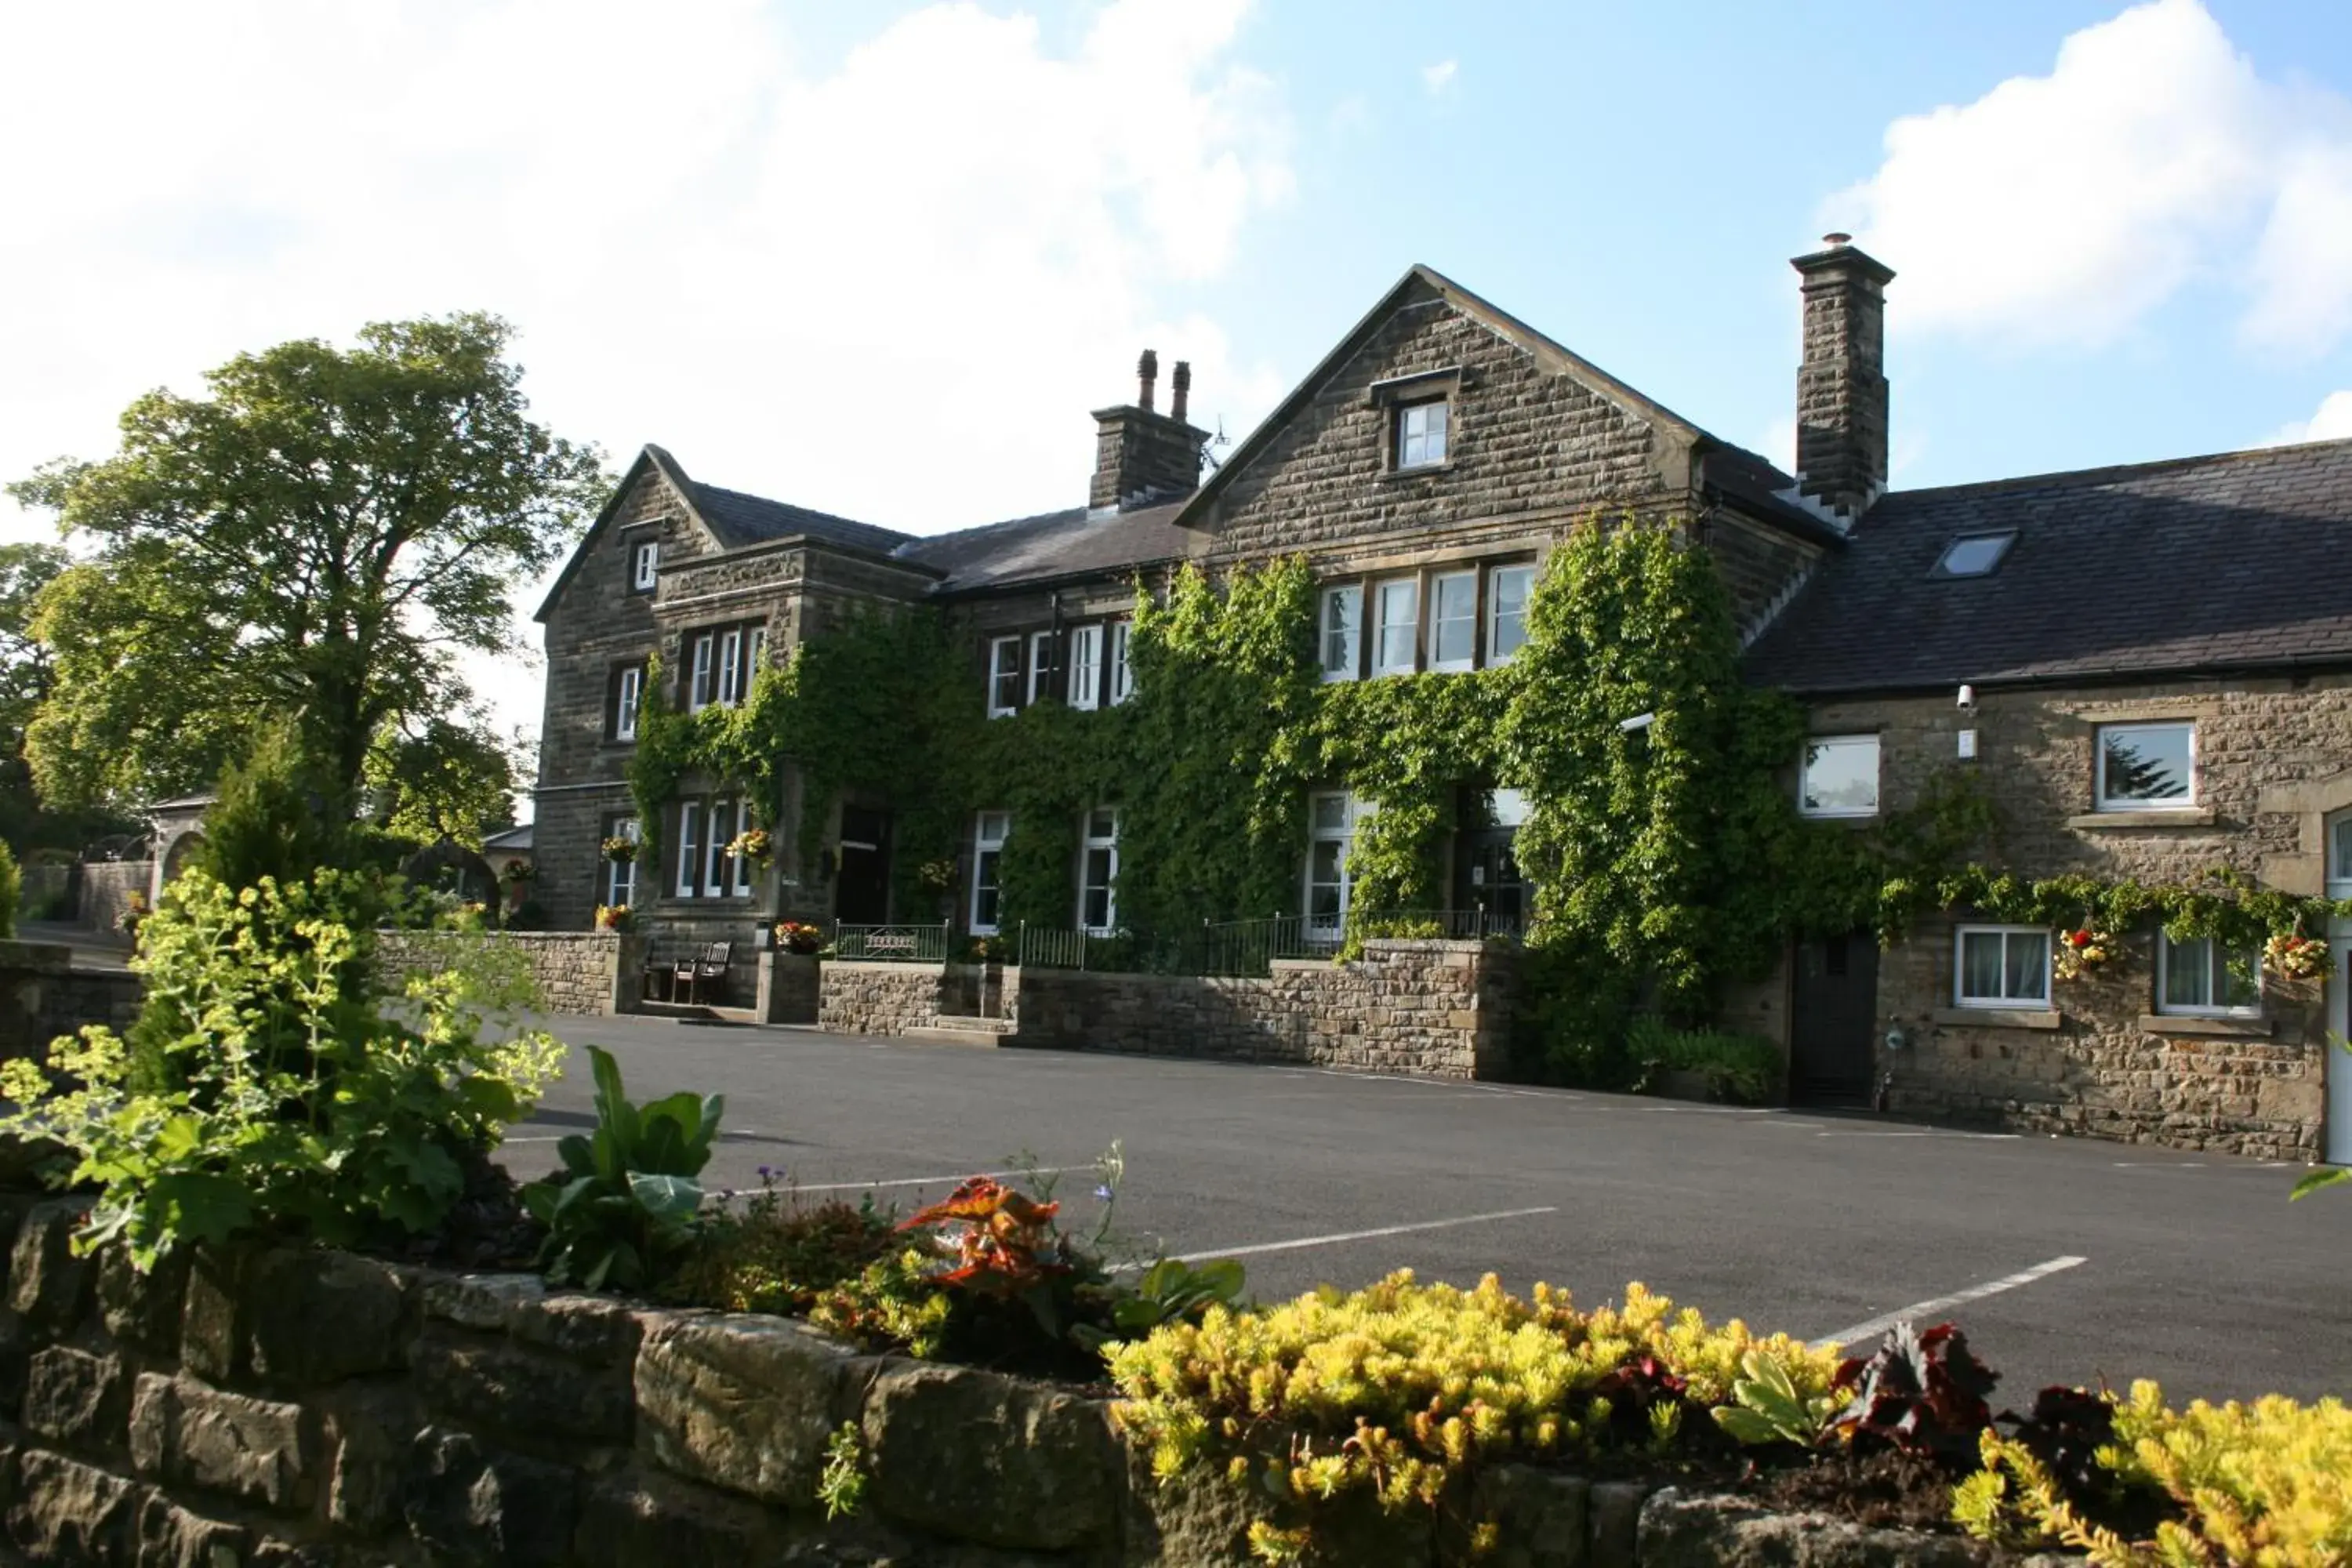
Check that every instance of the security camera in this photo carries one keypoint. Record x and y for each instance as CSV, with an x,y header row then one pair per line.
x,y
1968,698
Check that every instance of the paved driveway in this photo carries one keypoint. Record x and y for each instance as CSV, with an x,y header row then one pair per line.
x,y
2106,1259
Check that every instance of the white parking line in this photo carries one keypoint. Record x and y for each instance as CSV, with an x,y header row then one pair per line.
x,y
1347,1235
1884,1320
930,1181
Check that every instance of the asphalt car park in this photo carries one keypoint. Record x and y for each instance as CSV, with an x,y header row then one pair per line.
x,y
2065,1259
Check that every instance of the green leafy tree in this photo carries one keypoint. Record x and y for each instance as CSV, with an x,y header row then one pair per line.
x,y
26,673
444,779
320,534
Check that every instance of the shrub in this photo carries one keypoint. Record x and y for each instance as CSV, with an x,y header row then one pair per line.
x,y
288,1104
1400,1390
1739,1069
2267,1483
277,816
11,889
622,1209
779,1255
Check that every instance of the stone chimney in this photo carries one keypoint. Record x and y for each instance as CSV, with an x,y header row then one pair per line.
x,y
1143,458
1842,385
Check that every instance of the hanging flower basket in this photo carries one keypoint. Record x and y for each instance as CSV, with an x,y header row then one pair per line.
x,y
517,871
753,845
2083,952
938,876
620,850
2291,955
798,936
615,917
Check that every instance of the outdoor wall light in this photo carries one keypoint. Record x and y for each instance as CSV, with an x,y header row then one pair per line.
x,y
1968,698
1896,1038
1637,722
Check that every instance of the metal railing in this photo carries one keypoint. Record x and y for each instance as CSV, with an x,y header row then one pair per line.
x,y
891,944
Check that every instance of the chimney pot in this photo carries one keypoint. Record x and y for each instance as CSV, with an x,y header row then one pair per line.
x,y
1147,371
1182,383
1834,238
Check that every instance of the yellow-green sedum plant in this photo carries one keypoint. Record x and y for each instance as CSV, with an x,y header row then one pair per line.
x,y
1401,1390
2263,1485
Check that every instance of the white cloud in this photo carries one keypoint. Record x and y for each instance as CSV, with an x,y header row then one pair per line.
x,y
2333,422
891,290
2061,209
1439,78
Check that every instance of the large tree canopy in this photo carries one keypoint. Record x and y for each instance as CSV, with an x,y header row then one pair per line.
x,y
25,672
320,535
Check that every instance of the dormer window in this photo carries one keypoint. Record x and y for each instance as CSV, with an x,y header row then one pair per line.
x,y
645,560
1974,554
1421,430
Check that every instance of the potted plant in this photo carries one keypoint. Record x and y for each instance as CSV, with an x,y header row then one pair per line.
x,y
620,849
517,871
615,917
799,937
2083,952
2291,955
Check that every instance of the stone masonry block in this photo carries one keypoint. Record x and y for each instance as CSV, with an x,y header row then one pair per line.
x,y
75,1397
144,1310
742,1403
989,1459
318,1318
259,1450
499,1384
46,1283
470,1505
1541,1515
64,1512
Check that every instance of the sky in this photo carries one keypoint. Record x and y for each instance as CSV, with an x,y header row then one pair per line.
x,y
882,259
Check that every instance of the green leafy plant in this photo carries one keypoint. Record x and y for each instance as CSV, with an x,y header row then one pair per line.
x,y
1170,1291
776,1254
842,1487
280,1098
11,889
1768,1407
1738,1069
624,1207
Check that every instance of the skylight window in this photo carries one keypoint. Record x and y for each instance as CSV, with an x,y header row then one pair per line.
x,y
1974,554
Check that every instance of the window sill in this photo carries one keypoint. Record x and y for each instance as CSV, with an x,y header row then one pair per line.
x,y
1419,470
2195,1023
1998,1017
2128,821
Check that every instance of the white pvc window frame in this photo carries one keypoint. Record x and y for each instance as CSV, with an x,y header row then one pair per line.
x,y
626,696
1122,668
2210,968
2006,997
1396,626
2184,801
1341,642
989,831
1512,620
1004,677
645,565
1453,621
1424,433
1086,665
1819,748
1041,666
1098,871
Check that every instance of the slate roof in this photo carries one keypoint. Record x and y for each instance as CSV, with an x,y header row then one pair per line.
x,y
2231,562
1051,545
739,520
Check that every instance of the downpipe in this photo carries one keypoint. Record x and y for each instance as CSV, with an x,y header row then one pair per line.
x,y
1885,1084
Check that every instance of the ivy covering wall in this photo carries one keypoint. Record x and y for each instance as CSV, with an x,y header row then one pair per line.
x,y
1667,859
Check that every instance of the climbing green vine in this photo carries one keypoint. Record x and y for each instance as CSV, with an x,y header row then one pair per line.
x,y
1668,857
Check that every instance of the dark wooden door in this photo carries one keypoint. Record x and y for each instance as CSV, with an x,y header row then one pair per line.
x,y
1487,878
1833,1020
862,897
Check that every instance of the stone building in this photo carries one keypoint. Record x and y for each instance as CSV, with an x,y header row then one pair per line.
x,y
2157,678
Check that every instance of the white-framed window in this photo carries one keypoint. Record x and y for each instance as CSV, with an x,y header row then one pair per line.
x,y
988,833
644,562
1453,621
2339,856
1331,817
1420,433
1041,665
1004,677
1098,873
1122,672
1343,631
2147,767
725,822
1086,665
743,867
628,691
731,667
621,876
755,655
698,681
2001,966
1508,588
689,847
1397,627
2202,978
1840,776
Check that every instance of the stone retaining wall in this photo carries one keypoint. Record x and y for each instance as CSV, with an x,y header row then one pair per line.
x,y
584,973
255,1406
1437,1009
106,888
869,998
43,995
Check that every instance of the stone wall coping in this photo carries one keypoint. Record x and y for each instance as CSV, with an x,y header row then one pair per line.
x,y
2000,1017
886,966
2180,1024
2143,821
47,957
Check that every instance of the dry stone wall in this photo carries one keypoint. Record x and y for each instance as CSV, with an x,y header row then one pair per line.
x,y
581,973
43,995
287,1408
877,998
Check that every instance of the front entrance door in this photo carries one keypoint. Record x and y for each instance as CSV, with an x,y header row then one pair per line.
x,y
862,897
1832,1020
1487,879
2337,1070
